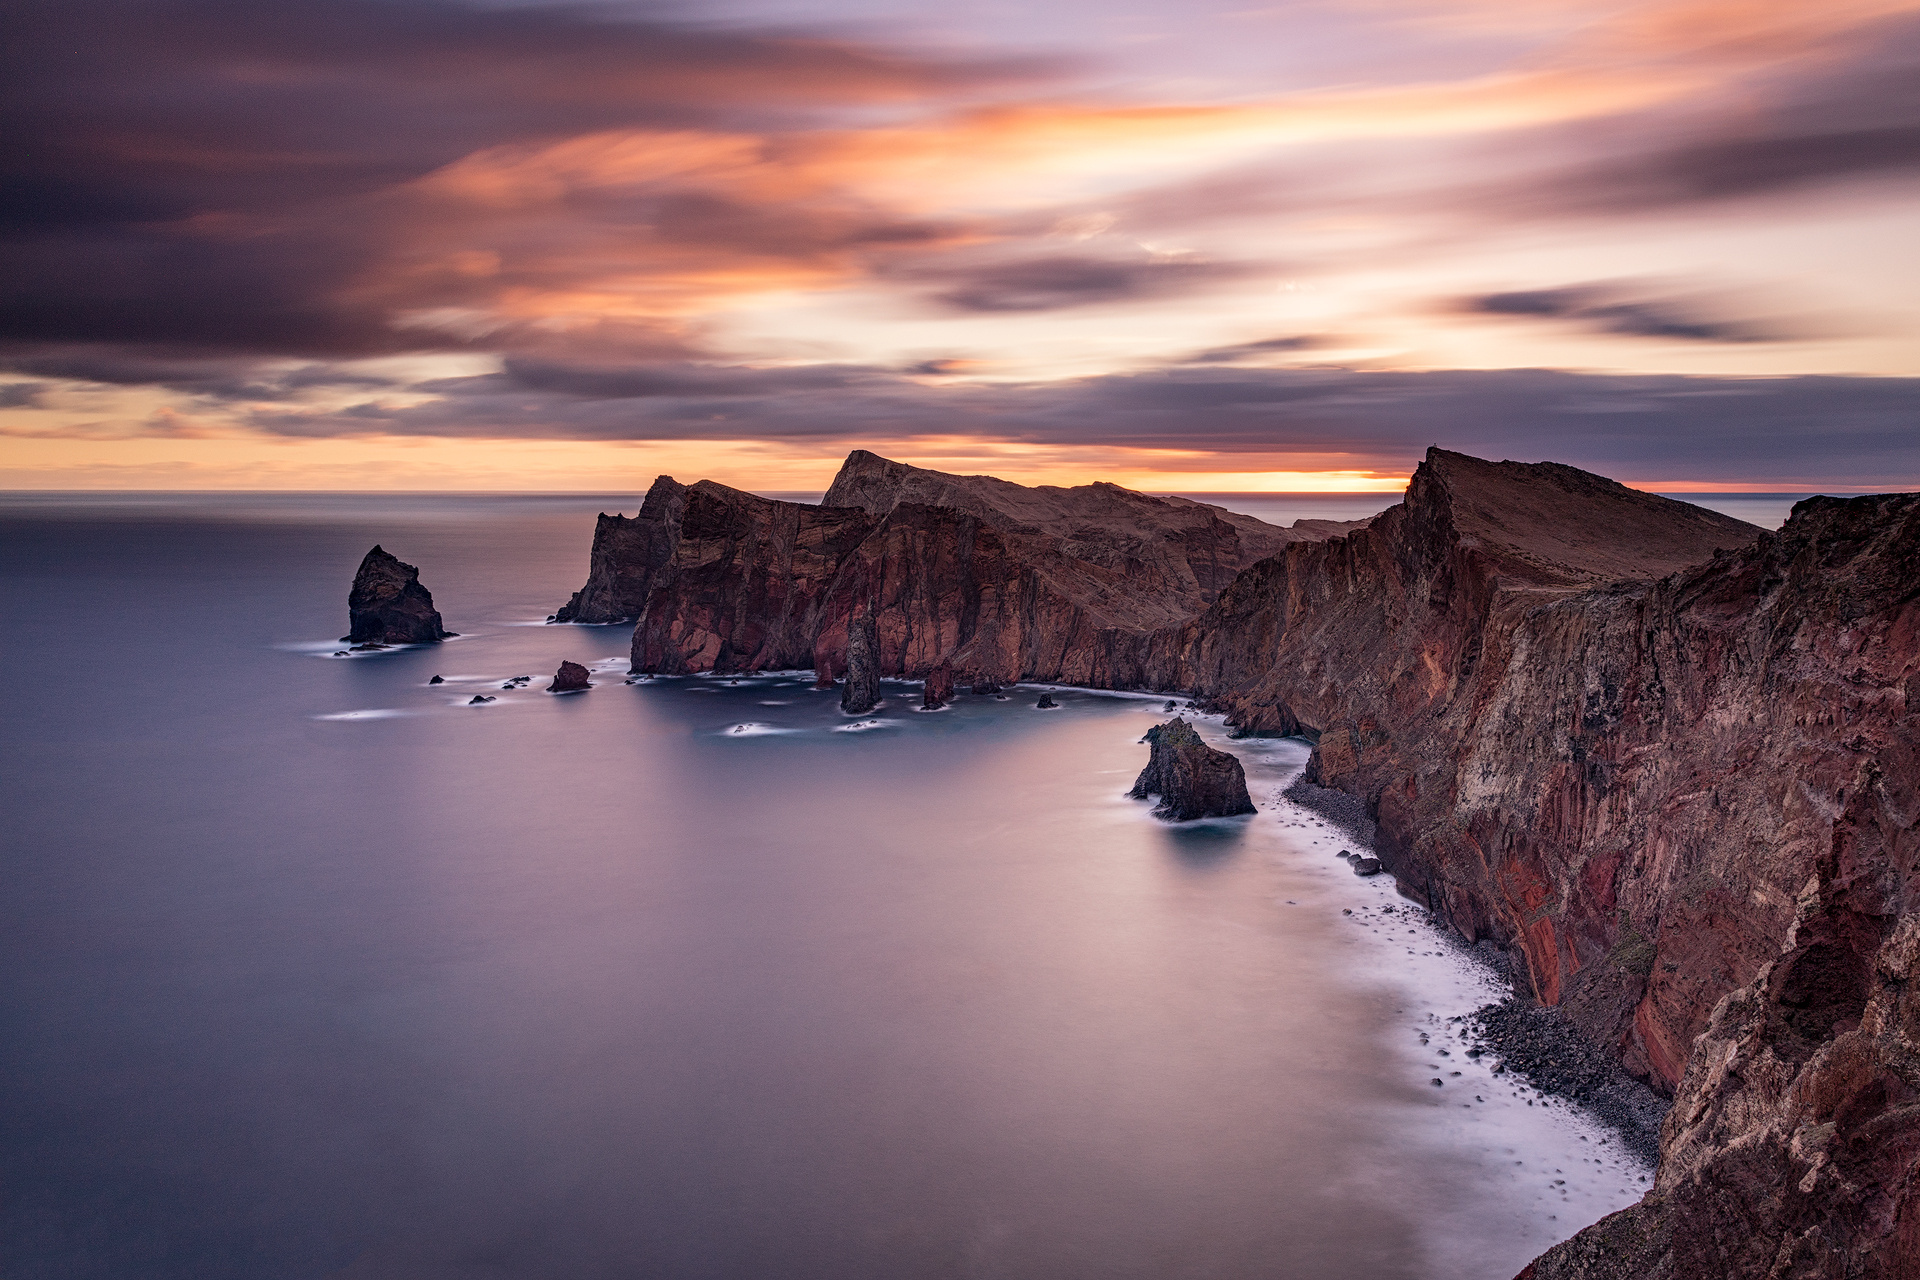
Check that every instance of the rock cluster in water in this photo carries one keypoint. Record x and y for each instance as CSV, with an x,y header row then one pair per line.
x,y
1191,778
570,678
387,604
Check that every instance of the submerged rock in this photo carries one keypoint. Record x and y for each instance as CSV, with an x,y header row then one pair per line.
x,y
861,693
985,688
570,678
1046,703
939,687
479,698
438,680
1190,777
387,604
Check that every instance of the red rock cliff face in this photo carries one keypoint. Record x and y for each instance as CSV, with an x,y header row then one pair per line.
x,y
1758,721
1680,782
1002,581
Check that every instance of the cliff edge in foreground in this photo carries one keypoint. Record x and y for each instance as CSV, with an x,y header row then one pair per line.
x,y
1672,765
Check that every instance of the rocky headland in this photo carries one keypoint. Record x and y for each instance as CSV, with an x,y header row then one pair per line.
x,y
1666,763
1002,581
1191,779
387,604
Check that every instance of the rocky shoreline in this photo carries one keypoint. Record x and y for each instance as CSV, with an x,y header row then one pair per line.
x,y
1533,1041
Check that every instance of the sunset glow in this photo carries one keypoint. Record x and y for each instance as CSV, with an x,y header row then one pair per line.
x,y
1145,250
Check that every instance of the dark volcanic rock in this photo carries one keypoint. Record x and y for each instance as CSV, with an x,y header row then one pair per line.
x,y
1191,778
1541,1046
861,693
1046,703
437,680
626,553
387,604
479,698
570,678
939,687
1366,866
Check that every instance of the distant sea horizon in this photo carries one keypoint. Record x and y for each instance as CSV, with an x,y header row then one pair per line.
x,y
1768,510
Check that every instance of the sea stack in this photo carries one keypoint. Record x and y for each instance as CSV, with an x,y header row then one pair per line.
x,y
570,678
1190,777
861,693
389,606
939,688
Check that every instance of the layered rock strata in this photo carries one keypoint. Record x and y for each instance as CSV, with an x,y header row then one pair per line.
x,y
387,604
1191,779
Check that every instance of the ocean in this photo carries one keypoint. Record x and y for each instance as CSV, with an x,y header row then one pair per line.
x,y
312,969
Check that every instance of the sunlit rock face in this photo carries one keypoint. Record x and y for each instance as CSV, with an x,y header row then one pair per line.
x,y
387,604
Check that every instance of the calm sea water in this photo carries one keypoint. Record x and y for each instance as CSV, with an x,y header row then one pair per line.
x,y
307,969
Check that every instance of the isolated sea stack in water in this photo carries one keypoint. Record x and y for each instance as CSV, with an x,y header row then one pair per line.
x,y
570,678
861,693
939,688
1190,777
389,606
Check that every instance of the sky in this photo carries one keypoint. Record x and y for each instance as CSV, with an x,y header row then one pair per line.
x,y
433,244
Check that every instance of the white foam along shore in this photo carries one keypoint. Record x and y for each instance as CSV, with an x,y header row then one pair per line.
x,y
1533,1169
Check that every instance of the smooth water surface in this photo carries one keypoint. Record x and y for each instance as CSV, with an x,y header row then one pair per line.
x,y
312,970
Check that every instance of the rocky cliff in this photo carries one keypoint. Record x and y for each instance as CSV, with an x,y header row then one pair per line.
x,y
1002,581
1191,779
1671,764
387,604
1668,761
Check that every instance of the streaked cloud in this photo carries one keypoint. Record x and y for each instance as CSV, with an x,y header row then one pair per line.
x,y
404,219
